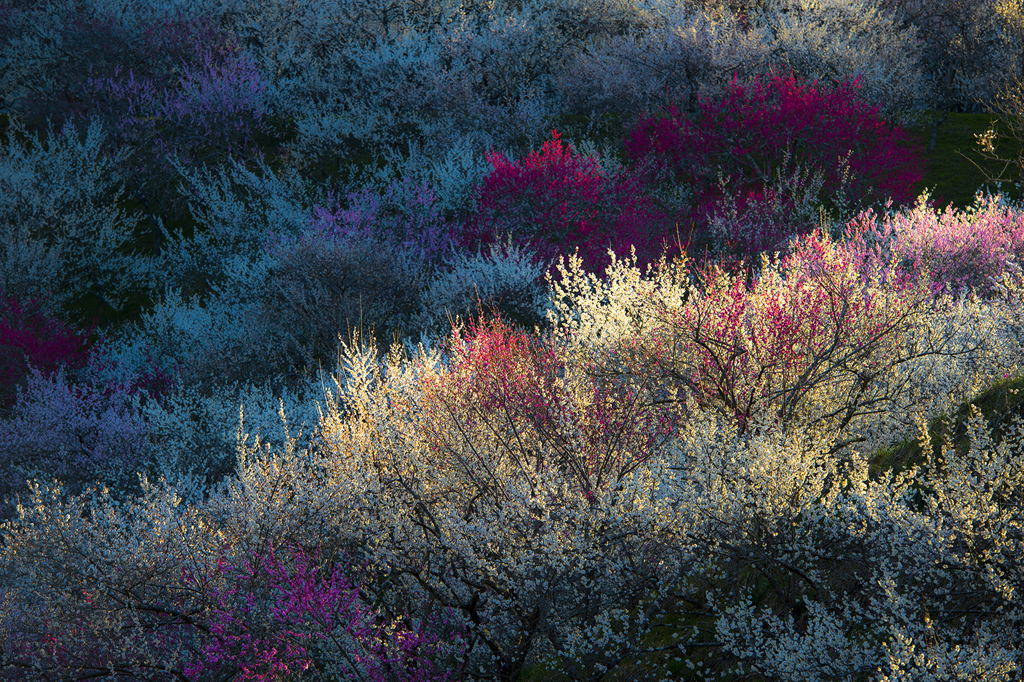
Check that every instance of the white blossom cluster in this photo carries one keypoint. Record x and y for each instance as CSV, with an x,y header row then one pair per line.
x,y
62,233
578,514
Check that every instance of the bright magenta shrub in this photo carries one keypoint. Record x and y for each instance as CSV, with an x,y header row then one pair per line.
x,y
739,147
556,200
279,616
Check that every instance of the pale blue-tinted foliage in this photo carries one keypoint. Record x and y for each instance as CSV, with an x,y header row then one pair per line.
x,y
197,435
61,230
238,210
31,46
834,41
451,174
504,280
683,54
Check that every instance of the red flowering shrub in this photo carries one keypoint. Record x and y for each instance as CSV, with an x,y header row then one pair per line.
x,y
556,201
746,147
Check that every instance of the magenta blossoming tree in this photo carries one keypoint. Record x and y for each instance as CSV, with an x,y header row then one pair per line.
x,y
778,348
820,341
556,200
199,609
753,135
298,614
510,383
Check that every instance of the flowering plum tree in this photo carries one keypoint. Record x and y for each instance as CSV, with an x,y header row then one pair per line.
x,y
961,43
210,108
513,489
836,41
55,46
216,103
680,54
831,339
161,589
755,135
79,434
505,280
403,214
556,200
969,250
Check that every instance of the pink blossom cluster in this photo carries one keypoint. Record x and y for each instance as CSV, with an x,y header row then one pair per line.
x,y
279,616
751,349
958,249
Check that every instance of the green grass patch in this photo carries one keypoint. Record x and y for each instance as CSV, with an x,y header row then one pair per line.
x,y
999,404
956,169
